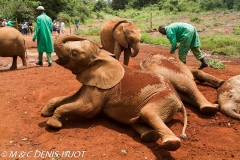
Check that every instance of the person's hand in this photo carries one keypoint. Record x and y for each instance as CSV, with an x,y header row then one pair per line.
x,y
33,40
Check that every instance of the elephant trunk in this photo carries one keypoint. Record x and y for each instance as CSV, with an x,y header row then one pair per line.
x,y
135,51
59,43
230,109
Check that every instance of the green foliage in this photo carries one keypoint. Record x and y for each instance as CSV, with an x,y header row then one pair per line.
x,y
215,63
195,19
237,31
221,44
101,5
64,17
159,40
116,4
231,51
92,31
96,40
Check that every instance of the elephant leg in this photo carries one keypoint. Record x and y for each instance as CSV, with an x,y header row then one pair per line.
x,y
79,107
127,53
147,133
197,99
202,77
150,114
117,51
14,63
24,61
52,104
56,120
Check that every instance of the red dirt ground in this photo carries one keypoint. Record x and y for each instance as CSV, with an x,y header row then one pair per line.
x,y
25,135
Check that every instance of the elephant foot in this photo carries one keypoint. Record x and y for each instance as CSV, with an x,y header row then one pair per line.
x,y
171,143
210,109
46,113
150,136
24,67
53,122
13,67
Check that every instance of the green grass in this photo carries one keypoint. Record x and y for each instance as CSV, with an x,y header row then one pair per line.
x,y
159,40
92,31
237,31
221,44
214,63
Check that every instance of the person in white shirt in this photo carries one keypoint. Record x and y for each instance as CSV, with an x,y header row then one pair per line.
x,y
62,27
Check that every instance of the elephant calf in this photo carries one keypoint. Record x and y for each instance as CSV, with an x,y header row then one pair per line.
x,y
12,44
108,86
229,97
181,77
117,36
228,93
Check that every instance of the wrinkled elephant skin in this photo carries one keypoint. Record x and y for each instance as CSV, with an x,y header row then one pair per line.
x,y
181,77
117,36
12,44
229,97
107,85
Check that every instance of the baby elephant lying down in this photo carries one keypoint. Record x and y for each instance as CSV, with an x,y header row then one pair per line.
x,y
145,105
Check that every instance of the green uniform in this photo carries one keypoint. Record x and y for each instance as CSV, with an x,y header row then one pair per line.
x,y
188,38
43,34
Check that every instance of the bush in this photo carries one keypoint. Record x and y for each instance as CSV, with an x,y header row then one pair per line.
x,y
195,19
92,31
214,63
146,38
237,31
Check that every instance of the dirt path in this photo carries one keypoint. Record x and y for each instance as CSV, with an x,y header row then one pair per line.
x,y
24,134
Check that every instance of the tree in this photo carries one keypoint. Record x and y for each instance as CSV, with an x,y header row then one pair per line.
x,y
117,4
101,5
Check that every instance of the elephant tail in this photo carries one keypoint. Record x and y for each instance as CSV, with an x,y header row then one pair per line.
x,y
183,110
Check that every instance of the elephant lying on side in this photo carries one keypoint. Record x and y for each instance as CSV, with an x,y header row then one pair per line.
x,y
117,36
228,93
108,86
181,77
12,44
229,97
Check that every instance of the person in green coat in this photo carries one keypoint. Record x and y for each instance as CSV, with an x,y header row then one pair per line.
x,y
187,36
43,34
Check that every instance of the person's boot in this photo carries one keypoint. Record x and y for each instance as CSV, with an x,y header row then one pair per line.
x,y
49,64
204,64
39,63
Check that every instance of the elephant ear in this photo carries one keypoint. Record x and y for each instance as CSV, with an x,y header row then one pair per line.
x,y
104,72
119,33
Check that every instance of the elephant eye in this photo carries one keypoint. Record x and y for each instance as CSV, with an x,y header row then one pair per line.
x,y
74,53
230,95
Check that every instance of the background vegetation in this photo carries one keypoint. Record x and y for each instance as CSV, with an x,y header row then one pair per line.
x,y
147,15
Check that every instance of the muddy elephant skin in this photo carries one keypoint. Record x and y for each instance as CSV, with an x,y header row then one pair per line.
x,y
120,35
12,44
107,85
181,77
229,97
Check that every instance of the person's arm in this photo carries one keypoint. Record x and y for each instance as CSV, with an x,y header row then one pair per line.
x,y
173,41
37,28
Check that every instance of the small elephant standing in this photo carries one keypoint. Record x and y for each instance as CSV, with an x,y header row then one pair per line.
x,y
107,85
117,36
12,44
